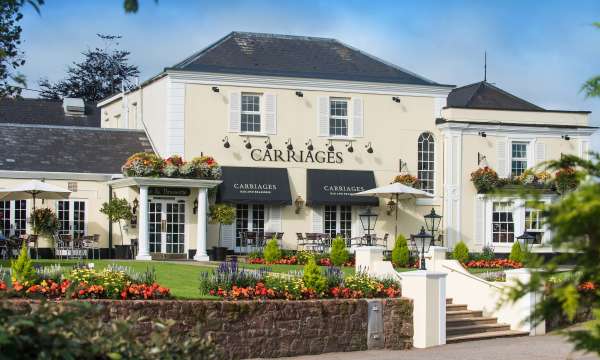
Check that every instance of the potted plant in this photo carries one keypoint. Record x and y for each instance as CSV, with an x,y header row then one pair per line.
x,y
117,210
406,179
485,179
221,214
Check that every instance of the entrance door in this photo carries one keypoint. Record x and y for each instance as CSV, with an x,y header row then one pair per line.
x,y
166,226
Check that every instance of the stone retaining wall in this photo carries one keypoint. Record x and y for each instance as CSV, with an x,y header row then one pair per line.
x,y
249,329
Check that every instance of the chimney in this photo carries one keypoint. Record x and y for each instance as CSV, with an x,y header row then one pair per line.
x,y
74,106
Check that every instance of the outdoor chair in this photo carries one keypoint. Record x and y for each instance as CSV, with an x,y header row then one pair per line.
x,y
32,241
4,248
89,243
267,236
134,248
249,239
279,238
300,241
14,246
384,240
314,242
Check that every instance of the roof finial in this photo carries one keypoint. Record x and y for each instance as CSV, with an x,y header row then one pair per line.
x,y
485,66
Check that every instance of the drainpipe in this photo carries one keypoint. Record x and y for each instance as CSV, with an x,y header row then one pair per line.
x,y
110,226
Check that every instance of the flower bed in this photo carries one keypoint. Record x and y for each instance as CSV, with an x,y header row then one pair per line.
x,y
297,258
230,282
115,282
494,263
151,165
565,179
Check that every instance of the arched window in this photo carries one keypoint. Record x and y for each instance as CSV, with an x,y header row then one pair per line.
x,y
426,162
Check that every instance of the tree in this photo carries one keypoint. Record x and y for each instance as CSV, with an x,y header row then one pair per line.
x,y
222,214
573,220
339,254
103,72
116,210
400,252
11,57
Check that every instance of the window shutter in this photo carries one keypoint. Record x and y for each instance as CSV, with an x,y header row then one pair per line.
x,y
317,219
540,153
357,118
501,158
228,236
235,111
479,221
323,115
270,114
584,148
275,218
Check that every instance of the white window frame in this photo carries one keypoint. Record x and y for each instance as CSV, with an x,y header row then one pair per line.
x,y
431,161
511,204
250,219
338,218
519,207
528,154
260,114
339,117
12,218
72,215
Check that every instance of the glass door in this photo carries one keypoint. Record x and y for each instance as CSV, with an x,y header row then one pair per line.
x,y
166,226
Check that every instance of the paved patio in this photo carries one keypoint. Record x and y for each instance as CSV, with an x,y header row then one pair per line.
x,y
524,348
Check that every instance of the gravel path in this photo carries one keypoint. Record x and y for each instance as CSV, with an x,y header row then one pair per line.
x,y
547,347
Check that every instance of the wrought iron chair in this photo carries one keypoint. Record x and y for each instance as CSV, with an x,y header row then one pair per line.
x,y
300,241
250,239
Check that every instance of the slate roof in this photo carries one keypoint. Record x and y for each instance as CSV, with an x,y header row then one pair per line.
x,y
45,112
68,149
483,95
295,56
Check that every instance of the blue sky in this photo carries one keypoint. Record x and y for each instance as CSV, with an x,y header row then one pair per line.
x,y
540,50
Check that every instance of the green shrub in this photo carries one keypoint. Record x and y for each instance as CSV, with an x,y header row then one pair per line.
x,y
487,253
516,253
304,256
22,268
339,254
44,222
76,331
400,253
272,251
461,252
313,277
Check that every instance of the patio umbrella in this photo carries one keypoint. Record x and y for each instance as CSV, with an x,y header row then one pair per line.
x,y
34,189
396,191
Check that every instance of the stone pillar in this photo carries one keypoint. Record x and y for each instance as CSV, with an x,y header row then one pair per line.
x,y
143,244
427,289
201,254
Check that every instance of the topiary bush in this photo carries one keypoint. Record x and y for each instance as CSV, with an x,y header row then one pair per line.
x,y
339,254
461,252
22,268
272,252
313,277
516,253
400,252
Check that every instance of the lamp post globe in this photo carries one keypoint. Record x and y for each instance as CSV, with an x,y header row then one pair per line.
x,y
432,222
528,240
422,242
368,220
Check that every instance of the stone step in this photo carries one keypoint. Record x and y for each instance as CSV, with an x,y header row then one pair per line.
x,y
466,321
484,336
476,329
449,301
455,307
460,314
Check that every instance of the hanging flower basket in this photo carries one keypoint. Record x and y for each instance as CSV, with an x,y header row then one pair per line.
x,y
151,165
406,179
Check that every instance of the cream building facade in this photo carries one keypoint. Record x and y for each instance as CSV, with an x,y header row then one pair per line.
x,y
299,124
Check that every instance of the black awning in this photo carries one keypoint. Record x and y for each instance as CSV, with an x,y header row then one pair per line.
x,y
335,187
253,185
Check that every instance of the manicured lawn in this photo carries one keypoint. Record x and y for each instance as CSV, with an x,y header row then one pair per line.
x,y
182,279
483,270
348,270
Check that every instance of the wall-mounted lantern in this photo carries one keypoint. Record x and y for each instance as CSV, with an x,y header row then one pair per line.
x,y
226,144
369,148
309,145
349,147
299,204
248,144
195,209
268,142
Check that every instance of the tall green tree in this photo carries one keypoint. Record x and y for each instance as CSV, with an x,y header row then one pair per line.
x,y
11,56
103,72
573,221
